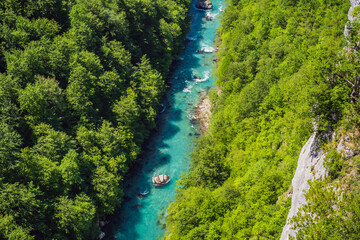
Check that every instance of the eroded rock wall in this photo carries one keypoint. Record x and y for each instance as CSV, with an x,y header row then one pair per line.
x,y
310,166
354,4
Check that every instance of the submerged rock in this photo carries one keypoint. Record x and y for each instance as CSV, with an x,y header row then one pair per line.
x,y
203,4
209,18
136,206
101,235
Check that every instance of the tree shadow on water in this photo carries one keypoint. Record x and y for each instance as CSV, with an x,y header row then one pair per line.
x,y
138,179
155,152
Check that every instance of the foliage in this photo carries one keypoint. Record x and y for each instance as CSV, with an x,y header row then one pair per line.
x,y
80,84
332,208
74,217
330,213
276,60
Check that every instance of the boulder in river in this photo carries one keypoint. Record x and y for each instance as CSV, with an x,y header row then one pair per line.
x,y
101,235
203,4
209,18
161,180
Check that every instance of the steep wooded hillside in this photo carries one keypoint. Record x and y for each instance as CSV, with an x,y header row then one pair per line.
x,y
276,74
332,209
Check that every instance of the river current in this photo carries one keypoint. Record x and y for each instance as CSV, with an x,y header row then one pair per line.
x,y
168,150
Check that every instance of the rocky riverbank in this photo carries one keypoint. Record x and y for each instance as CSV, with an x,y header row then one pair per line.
x,y
203,112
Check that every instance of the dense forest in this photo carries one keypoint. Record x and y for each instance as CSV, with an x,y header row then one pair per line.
x,y
81,82
80,85
282,66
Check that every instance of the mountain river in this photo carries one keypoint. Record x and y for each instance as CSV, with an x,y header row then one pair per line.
x,y
168,150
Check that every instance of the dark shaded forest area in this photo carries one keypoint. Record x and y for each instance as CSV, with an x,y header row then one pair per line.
x,y
80,85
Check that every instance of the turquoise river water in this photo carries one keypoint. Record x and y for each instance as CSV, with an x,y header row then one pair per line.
x,y
168,150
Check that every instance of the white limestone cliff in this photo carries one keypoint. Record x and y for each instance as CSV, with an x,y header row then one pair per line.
x,y
310,166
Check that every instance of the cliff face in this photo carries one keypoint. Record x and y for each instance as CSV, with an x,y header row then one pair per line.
x,y
354,4
310,166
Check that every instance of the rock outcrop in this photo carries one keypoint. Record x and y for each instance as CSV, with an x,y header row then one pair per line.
x,y
344,150
203,4
354,4
310,166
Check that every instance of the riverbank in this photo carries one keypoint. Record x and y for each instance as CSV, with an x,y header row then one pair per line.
x,y
203,112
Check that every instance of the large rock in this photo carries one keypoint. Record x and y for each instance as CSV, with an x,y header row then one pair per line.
x,y
354,4
310,166
203,4
161,179
348,25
